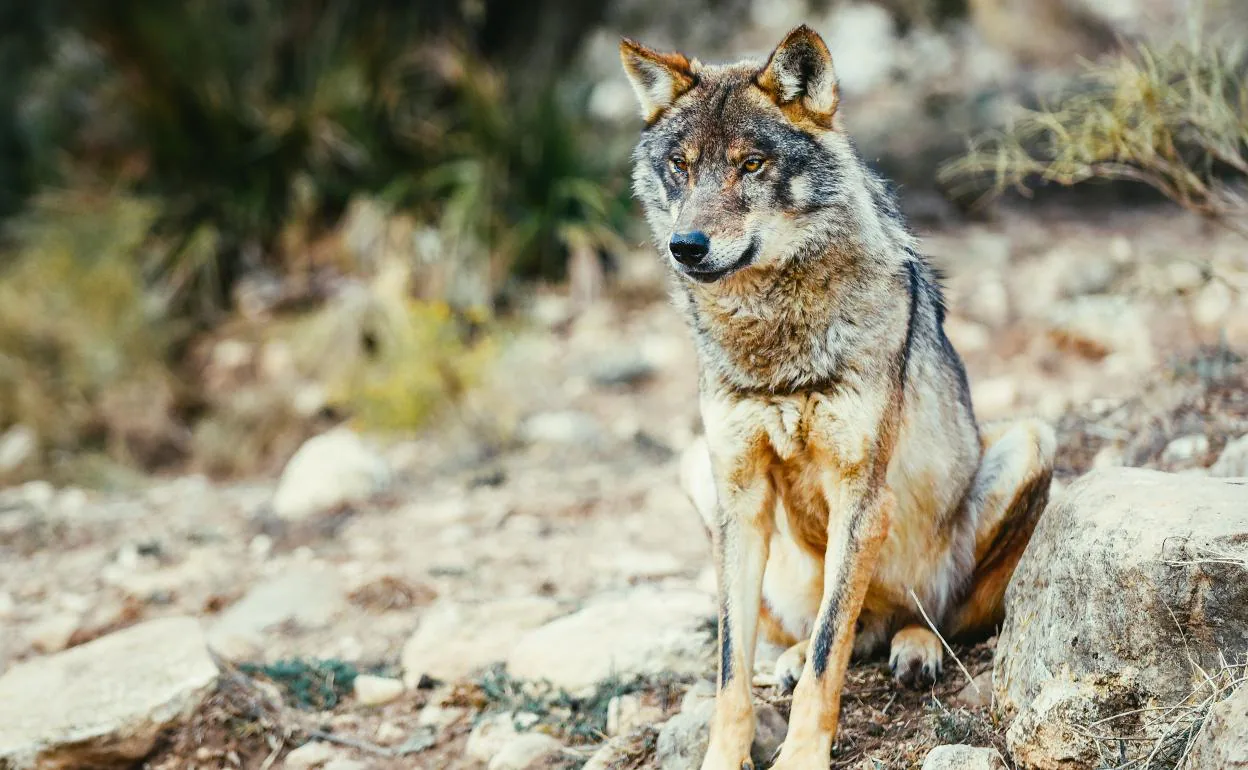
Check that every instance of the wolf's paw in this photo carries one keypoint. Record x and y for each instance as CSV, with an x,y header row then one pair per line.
x,y
789,667
916,657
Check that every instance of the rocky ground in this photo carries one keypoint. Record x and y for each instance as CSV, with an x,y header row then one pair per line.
x,y
527,581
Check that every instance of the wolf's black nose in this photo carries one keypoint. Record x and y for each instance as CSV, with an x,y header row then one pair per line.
x,y
690,248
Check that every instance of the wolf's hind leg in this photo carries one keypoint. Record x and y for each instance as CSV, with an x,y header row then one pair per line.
x,y
1008,495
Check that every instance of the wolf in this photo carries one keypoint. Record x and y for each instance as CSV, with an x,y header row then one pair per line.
x,y
850,494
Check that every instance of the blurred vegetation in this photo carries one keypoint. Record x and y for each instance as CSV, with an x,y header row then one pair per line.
x,y
215,149
1174,119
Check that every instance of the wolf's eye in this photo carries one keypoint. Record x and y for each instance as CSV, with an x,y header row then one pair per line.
x,y
678,164
752,164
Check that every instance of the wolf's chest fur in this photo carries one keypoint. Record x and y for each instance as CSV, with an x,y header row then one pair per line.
x,y
778,331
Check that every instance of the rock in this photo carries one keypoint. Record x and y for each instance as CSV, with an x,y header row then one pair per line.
x,y
307,596
453,639
623,750
1096,326
527,751
310,755
1212,304
105,702
17,445
329,470
977,693
627,712
52,633
376,690
683,739
345,763
440,717
489,736
566,427
1156,553
1185,448
768,734
1184,276
646,631
962,757
1222,743
1233,462
621,371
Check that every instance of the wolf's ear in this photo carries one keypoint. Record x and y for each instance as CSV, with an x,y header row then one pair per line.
x,y
800,73
657,78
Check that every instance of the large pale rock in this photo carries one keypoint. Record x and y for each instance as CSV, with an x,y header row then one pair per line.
x,y
1222,743
454,639
105,702
963,757
329,470
308,596
646,631
1133,579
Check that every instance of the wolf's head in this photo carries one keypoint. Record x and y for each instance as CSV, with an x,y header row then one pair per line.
x,y
739,165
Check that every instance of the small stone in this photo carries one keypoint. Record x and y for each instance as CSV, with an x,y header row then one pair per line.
x,y
977,693
566,427
440,717
683,739
1233,462
1185,449
376,690
1212,304
345,763
52,634
330,470
389,734
526,751
489,737
621,371
1184,276
310,755
963,757
17,446
628,712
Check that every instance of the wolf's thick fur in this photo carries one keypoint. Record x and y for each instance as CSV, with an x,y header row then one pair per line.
x,y
843,473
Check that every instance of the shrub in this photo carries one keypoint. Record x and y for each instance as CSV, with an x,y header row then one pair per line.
x,y
1174,119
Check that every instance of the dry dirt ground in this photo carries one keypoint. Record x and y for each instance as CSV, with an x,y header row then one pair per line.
x,y
1110,328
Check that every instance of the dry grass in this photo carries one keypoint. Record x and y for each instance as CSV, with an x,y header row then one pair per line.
x,y
1173,119
1160,738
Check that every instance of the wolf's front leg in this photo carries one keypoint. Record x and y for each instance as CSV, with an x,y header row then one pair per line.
x,y
857,526
741,539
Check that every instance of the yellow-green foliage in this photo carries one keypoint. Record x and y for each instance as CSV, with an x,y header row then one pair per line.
x,y
1175,119
80,340
387,360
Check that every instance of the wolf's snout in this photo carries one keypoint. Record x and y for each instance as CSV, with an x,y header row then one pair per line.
x,y
690,248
